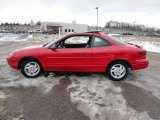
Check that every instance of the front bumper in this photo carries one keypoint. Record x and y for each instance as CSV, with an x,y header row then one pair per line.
x,y
13,63
139,64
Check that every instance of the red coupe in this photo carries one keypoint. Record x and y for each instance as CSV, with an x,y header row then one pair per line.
x,y
80,52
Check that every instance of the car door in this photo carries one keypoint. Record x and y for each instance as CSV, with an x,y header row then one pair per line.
x,y
69,59
102,53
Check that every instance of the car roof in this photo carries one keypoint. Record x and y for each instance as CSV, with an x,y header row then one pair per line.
x,y
86,33
93,33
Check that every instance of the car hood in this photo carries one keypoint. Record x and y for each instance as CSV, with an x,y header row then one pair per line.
x,y
31,50
31,47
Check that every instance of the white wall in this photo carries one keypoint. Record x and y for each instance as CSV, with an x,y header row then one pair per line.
x,y
75,27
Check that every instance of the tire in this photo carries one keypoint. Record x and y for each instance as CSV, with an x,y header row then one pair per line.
x,y
31,68
117,71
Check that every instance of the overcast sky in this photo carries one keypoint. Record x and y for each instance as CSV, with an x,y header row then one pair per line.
x,y
145,12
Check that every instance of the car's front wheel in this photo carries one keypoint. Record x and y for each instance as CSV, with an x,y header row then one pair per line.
x,y
117,71
31,68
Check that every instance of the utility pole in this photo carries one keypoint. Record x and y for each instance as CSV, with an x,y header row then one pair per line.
x,y
97,17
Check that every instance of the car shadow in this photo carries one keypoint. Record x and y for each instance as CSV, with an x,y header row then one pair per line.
x,y
67,74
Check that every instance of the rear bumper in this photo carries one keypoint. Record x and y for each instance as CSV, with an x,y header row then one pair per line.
x,y
12,62
139,64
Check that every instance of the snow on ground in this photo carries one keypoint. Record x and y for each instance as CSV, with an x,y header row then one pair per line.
x,y
95,95
2,95
2,100
151,44
100,99
14,37
8,37
148,43
13,78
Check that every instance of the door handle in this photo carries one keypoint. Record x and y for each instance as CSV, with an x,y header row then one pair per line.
x,y
84,54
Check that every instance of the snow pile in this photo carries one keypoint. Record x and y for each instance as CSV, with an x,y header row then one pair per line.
x,y
7,37
149,46
29,36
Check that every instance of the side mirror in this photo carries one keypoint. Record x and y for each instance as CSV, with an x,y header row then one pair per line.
x,y
45,44
53,47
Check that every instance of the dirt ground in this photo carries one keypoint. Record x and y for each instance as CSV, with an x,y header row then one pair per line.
x,y
78,96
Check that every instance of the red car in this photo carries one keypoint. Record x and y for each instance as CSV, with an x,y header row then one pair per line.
x,y
80,52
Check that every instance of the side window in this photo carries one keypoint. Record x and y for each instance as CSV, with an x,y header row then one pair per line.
x,y
99,42
81,41
77,40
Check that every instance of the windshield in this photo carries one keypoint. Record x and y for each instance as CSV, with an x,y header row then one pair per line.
x,y
49,44
53,42
116,39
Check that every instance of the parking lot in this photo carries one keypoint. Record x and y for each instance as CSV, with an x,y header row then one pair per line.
x,y
78,96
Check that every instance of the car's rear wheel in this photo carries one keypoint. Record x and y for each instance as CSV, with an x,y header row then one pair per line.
x,y
31,68
117,71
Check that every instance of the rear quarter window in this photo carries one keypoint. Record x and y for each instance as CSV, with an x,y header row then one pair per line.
x,y
99,42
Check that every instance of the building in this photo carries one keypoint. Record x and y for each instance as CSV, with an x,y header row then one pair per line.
x,y
63,28
19,28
